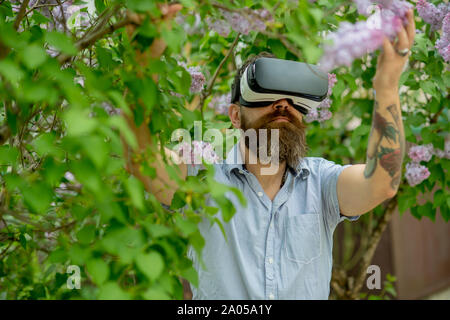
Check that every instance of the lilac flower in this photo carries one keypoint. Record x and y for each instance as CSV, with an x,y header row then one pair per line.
x,y
421,153
195,152
443,44
416,173
325,104
331,82
324,115
312,115
364,6
197,78
444,8
352,41
220,103
237,21
431,14
220,26
255,20
196,28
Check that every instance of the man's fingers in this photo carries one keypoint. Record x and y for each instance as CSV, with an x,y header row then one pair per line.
x,y
388,49
411,27
403,42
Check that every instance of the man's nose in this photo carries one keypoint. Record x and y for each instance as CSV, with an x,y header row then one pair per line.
x,y
282,104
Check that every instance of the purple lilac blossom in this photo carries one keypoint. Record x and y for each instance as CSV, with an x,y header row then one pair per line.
x,y
416,173
431,14
195,152
220,26
197,78
352,41
421,153
443,43
242,23
221,103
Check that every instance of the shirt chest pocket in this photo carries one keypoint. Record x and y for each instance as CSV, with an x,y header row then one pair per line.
x,y
302,242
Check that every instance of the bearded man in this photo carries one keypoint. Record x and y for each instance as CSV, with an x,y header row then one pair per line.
x,y
280,245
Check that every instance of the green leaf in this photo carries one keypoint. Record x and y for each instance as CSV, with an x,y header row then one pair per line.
x,y
156,294
37,197
79,122
157,230
428,87
405,202
34,56
58,256
61,42
391,278
8,155
135,190
23,241
86,235
427,135
186,226
151,264
143,6
98,269
191,276
97,150
439,198
121,124
111,291
11,71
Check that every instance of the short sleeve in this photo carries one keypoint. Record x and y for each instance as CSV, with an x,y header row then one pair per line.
x,y
329,174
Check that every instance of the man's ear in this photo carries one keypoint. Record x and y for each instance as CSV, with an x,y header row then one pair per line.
x,y
234,112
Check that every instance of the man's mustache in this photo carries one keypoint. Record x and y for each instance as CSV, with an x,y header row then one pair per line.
x,y
278,113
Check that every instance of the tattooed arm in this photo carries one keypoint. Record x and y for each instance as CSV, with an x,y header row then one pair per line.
x,y
386,148
362,187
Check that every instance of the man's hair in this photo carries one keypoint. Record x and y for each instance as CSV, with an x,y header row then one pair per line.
x,y
250,60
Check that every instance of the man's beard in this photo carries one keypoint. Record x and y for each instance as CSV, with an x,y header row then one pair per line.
x,y
292,146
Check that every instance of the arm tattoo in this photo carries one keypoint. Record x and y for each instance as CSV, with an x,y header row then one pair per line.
x,y
389,159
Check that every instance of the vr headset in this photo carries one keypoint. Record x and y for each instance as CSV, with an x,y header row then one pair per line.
x,y
267,80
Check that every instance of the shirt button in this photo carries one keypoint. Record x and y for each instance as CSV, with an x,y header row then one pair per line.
x,y
260,194
271,296
270,260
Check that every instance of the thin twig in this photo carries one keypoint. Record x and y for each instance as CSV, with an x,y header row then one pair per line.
x,y
40,6
91,39
63,15
211,82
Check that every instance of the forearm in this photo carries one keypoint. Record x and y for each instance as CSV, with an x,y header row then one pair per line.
x,y
386,147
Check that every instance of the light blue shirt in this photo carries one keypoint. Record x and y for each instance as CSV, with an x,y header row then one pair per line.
x,y
280,249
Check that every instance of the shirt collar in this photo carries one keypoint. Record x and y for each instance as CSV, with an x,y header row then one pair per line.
x,y
234,160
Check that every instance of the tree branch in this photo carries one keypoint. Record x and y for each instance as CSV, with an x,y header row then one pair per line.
x,y
21,14
207,91
92,38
